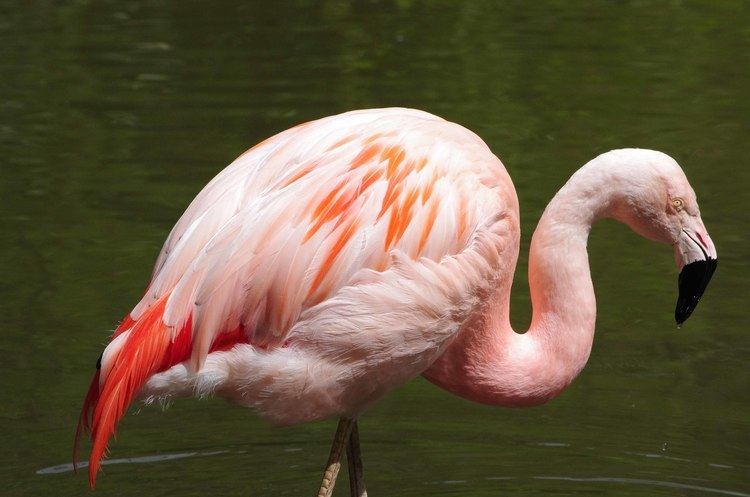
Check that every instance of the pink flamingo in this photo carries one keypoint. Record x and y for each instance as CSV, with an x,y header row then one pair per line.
x,y
345,256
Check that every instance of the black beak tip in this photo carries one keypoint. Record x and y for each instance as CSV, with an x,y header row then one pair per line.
x,y
681,315
692,282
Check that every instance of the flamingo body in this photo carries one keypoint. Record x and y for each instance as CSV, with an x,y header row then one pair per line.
x,y
322,268
343,257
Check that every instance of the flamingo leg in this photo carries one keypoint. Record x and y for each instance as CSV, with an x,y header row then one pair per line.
x,y
334,459
354,459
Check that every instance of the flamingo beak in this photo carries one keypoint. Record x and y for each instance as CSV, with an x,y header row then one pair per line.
x,y
692,282
696,255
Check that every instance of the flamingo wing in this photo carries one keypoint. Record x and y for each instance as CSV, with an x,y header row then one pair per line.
x,y
283,228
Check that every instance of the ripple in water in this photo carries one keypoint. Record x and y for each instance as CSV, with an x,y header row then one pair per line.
x,y
640,481
65,468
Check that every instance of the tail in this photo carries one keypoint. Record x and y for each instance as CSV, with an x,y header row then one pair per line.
x,y
148,348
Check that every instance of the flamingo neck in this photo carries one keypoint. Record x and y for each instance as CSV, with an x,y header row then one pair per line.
x,y
490,363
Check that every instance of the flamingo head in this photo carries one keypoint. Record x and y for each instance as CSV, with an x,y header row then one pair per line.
x,y
658,203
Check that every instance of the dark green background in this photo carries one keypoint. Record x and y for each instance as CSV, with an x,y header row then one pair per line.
x,y
113,115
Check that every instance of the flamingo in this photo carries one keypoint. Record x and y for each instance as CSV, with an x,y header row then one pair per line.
x,y
343,257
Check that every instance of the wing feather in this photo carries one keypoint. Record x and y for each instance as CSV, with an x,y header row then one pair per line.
x,y
311,210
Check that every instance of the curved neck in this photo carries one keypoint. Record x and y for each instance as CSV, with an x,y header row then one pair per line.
x,y
488,362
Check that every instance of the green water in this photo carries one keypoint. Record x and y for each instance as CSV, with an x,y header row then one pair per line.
x,y
113,115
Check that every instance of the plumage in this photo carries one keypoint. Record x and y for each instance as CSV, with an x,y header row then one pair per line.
x,y
343,257
310,234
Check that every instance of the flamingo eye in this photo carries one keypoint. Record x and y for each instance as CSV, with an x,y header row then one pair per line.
x,y
678,204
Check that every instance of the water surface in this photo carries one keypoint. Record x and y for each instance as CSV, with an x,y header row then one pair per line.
x,y
113,115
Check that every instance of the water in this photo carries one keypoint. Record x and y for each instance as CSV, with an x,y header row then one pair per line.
x,y
113,115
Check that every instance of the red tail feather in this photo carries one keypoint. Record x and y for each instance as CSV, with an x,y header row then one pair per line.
x,y
92,397
148,349
84,420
